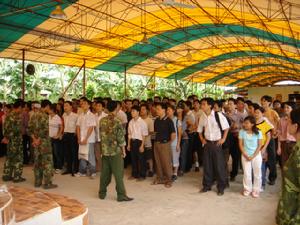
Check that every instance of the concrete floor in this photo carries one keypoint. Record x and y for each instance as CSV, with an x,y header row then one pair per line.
x,y
182,204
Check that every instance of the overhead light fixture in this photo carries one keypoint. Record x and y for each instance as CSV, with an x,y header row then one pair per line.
x,y
144,39
58,13
189,55
76,48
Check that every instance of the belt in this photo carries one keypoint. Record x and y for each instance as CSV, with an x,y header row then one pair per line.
x,y
290,142
162,142
213,142
68,133
136,140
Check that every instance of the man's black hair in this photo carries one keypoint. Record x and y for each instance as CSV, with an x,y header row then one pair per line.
x,y
258,107
209,101
45,103
18,103
267,98
188,104
240,99
162,105
232,100
111,106
136,108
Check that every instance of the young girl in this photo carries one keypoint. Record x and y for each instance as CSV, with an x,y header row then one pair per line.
x,y
250,141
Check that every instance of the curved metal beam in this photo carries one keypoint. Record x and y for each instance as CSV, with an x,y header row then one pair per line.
x,y
247,67
256,75
272,80
160,42
214,60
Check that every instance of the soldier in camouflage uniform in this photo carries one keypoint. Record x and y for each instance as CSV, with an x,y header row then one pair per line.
x,y
112,135
43,162
288,212
13,166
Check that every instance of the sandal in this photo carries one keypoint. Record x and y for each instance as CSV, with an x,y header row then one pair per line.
x,y
168,185
156,182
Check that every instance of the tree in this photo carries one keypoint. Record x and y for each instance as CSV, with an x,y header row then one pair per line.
x,y
52,80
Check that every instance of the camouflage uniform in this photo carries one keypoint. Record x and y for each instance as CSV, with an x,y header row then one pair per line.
x,y
13,166
288,212
112,136
43,162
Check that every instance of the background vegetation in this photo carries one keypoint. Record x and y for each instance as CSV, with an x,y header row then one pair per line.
x,y
51,81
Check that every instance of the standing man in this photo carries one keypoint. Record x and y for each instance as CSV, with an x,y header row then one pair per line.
x,y
113,143
85,129
274,119
236,113
70,144
165,134
213,128
13,166
43,161
148,143
99,114
197,146
137,131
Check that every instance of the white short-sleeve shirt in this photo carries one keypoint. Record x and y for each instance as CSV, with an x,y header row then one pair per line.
x,y
211,128
85,121
98,117
150,125
54,124
70,121
137,129
122,116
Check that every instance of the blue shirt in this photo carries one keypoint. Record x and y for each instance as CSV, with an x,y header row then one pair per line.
x,y
250,141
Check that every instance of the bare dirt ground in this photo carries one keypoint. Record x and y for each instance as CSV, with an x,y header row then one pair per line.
x,y
182,204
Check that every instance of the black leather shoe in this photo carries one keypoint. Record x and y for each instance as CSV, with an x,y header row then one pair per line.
x,y
125,199
7,178
65,173
205,189
220,193
19,180
271,182
37,185
102,196
50,186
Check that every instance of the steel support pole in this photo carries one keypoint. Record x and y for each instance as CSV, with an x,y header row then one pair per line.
x,y
23,74
84,80
125,82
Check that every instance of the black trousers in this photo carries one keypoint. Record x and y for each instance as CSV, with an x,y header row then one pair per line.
x,y
197,146
214,166
235,153
271,163
26,149
70,147
138,160
189,162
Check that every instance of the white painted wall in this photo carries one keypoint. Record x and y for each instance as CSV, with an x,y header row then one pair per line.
x,y
255,93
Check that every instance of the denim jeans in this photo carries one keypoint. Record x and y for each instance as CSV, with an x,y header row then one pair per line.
x,y
184,154
90,164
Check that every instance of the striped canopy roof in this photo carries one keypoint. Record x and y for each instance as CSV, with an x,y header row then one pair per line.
x,y
228,42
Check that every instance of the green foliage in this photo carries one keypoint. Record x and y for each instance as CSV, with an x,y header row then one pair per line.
x,y
52,80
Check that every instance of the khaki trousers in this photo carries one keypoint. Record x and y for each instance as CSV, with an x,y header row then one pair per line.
x,y
163,160
98,156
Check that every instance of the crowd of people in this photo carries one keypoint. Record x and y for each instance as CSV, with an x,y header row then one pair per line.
x,y
160,137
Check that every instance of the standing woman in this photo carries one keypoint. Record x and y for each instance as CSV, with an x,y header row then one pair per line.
x,y
288,212
55,133
175,145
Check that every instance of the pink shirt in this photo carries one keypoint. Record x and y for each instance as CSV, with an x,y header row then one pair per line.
x,y
283,133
